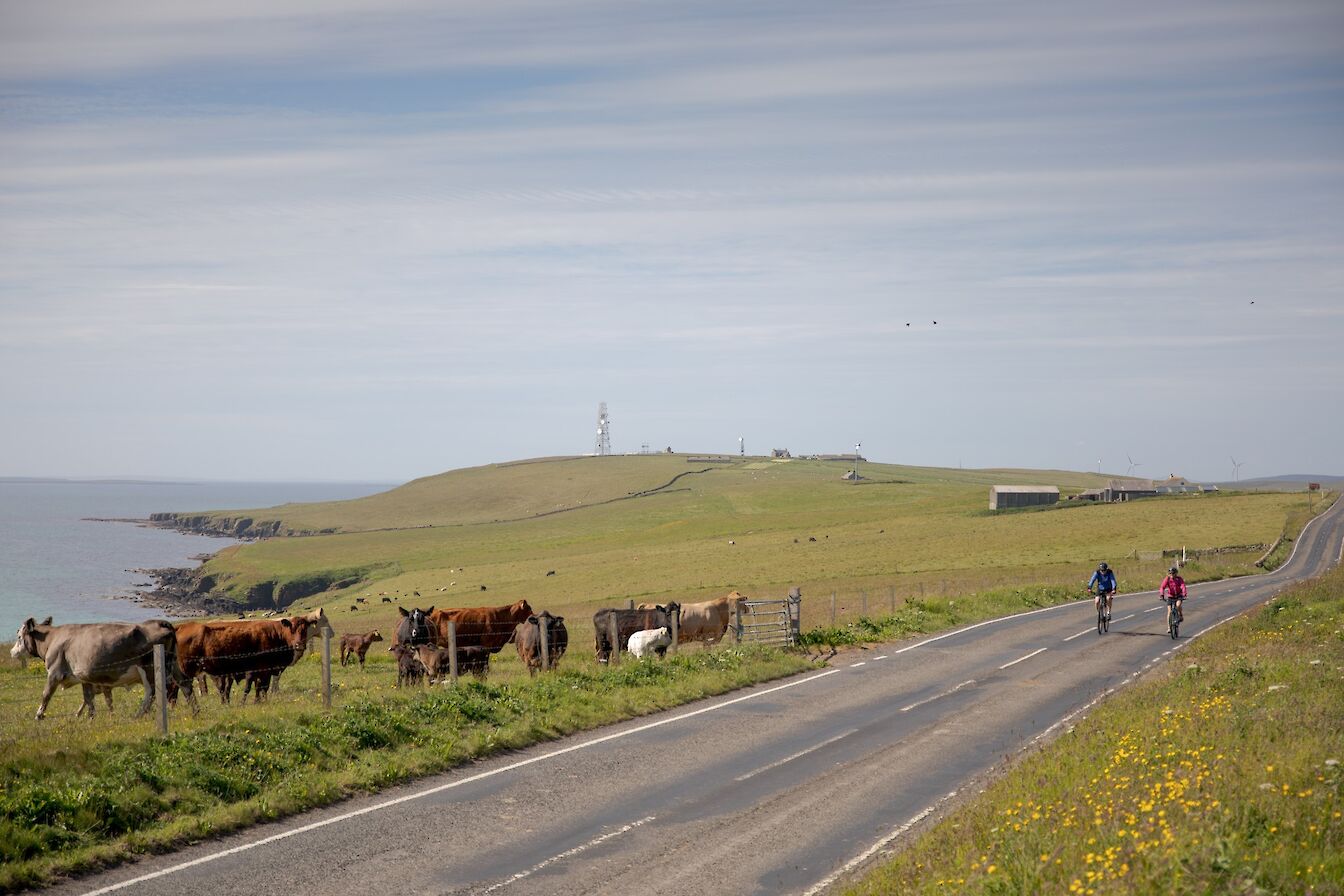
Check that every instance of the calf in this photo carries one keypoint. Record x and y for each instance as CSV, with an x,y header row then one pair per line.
x,y
353,646
527,638
655,640
627,623
438,661
409,668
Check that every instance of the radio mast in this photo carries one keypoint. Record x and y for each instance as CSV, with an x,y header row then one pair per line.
x,y
602,446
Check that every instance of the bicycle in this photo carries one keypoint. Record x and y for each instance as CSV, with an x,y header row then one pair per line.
x,y
1173,617
1103,617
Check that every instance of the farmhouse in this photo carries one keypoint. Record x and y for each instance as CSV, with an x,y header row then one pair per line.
x,y
1003,497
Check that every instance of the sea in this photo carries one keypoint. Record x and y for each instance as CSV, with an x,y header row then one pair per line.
x,y
58,559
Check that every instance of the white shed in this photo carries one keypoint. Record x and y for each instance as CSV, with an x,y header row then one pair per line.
x,y
1003,497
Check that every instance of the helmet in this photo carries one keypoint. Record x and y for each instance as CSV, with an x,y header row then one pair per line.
x,y
1102,567
1174,570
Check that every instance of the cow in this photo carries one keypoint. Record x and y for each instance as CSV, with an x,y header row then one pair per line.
x,y
438,661
99,656
488,627
409,668
228,650
415,627
527,638
708,620
357,646
627,623
654,640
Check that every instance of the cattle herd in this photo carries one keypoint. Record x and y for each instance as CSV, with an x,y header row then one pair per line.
x,y
429,644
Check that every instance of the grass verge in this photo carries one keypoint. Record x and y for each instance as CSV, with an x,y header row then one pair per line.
x,y
96,802
1220,773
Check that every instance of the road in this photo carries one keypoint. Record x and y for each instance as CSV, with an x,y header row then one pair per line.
x,y
779,788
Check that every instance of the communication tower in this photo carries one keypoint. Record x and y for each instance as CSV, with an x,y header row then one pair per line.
x,y
602,446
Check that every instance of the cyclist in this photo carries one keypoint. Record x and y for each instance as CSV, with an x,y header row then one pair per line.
x,y
1173,586
1103,584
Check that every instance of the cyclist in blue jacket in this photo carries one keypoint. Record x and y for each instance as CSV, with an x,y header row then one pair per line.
x,y
1103,584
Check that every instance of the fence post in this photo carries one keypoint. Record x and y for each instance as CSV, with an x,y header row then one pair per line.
x,y
737,623
832,609
452,651
630,604
160,687
543,624
326,667
615,657
796,619
676,625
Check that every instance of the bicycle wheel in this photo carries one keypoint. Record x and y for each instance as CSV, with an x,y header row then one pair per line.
x,y
1173,626
1101,616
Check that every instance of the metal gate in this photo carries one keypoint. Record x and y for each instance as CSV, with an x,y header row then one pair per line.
x,y
770,621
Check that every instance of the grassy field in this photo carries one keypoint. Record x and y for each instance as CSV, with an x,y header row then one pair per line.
x,y
75,794
902,532
1217,773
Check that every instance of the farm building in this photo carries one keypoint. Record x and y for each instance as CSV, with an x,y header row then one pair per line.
x,y
1003,497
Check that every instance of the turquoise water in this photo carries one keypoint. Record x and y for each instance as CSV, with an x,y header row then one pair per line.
x,y
55,562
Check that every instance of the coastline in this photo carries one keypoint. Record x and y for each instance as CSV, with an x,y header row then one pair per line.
x,y
174,587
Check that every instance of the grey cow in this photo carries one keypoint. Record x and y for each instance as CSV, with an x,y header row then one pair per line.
x,y
99,656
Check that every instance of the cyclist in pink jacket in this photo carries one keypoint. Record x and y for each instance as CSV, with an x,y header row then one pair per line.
x,y
1174,586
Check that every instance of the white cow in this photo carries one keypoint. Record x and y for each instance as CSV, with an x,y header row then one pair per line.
x,y
651,640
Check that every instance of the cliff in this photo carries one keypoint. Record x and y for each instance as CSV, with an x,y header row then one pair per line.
x,y
229,526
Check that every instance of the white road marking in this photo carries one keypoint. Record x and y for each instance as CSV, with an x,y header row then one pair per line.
x,y
882,657
1086,631
568,853
1154,609
430,791
1130,616
1021,658
778,763
853,665
868,853
938,696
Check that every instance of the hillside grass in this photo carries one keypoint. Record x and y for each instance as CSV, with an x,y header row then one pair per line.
x,y
77,795
902,532
1218,773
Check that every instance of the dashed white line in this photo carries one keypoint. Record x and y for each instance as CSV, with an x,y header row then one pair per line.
x,y
1021,658
1154,609
778,763
946,693
882,657
854,665
1086,631
1130,616
568,853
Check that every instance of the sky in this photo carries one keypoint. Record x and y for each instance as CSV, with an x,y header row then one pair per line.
x,y
380,239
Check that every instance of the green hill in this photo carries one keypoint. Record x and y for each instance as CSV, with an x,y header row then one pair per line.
x,y
662,527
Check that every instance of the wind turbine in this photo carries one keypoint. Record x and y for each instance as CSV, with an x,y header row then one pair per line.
x,y
1132,464
1236,469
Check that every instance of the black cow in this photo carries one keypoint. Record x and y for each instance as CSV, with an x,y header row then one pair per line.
x,y
627,623
415,628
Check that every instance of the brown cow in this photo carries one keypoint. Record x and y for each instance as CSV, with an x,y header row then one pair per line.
x,y
707,620
353,646
438,661
228,650
527,638
488,627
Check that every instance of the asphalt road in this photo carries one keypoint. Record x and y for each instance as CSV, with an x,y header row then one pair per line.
x,y
775,789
